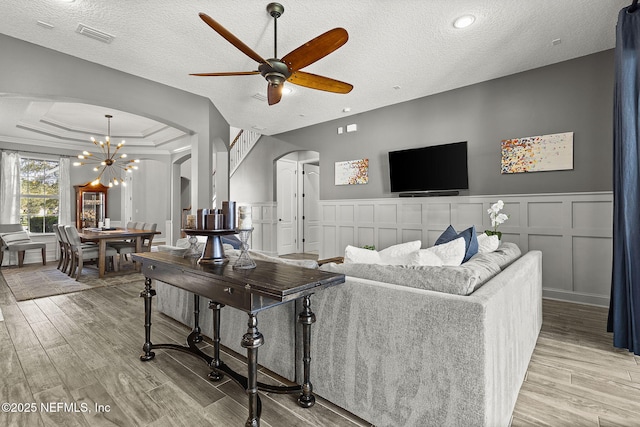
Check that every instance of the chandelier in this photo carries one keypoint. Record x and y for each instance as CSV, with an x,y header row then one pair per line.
x,y
108,163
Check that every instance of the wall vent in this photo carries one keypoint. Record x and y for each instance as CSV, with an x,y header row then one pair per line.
x,y
260,97
45,25
94,33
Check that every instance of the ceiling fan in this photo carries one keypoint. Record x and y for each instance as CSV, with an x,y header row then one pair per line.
x,y
277,71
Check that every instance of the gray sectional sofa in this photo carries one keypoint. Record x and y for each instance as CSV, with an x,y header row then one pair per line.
x,y
398,355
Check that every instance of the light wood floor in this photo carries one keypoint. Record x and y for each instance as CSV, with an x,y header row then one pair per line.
x,y
576,377
84,348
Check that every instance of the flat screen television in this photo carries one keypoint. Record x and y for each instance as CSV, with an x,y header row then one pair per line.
x,y
434,168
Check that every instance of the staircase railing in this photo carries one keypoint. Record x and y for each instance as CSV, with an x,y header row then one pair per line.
x,y
240,148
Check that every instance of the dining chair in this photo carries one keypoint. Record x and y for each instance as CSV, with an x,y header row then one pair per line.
x,y
61,248
83,251
131,225
125,248
68,258
69,264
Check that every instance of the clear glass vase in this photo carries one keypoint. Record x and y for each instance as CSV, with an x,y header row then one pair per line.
x,y
244,261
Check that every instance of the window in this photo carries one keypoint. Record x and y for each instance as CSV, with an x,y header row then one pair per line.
x,y
39,194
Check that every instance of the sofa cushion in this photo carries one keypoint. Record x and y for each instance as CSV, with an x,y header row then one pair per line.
x,y
399,254
470,238
506,253
460,280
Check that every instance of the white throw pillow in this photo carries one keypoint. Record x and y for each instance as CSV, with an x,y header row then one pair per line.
x,y
15,237
487,243
451,253
353,254
400,254
425,257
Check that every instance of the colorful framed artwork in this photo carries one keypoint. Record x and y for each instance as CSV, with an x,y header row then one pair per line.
x,y
537,153
352,172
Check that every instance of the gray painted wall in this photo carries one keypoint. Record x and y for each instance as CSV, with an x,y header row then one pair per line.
x,y
254,179
572,96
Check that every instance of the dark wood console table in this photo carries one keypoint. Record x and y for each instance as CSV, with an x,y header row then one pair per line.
x,y
251,291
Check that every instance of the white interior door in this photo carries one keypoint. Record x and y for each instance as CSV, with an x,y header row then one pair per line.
x,y
286,205
311,206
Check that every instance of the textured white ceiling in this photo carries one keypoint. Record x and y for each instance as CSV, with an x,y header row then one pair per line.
x,y
410,44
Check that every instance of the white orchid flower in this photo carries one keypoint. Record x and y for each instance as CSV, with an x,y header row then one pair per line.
x,y
501,218
496,217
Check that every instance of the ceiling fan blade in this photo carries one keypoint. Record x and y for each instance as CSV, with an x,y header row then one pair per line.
x,y
316,49
231,38
315,81
237,73
274,93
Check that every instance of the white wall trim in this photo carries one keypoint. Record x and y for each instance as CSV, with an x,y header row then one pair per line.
x,y
264,220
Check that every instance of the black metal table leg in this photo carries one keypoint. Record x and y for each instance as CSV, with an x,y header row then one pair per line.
x,y
215,363
196,319
147,294
251,341
306,318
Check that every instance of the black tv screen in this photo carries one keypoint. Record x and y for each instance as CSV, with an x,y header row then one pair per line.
x,y
434,168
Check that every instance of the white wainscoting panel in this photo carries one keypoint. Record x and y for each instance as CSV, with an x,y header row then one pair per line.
x,y
263,237
365,213
366,236
346,235
573,231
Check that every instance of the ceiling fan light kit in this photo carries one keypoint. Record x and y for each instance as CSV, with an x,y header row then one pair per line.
x,y
278,71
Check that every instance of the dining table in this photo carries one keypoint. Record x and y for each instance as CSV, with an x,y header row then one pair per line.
x,y
102,236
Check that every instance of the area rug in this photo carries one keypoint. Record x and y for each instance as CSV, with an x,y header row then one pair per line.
x,y
38,281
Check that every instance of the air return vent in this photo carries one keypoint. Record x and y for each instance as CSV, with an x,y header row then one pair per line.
x,y
94,33
260,97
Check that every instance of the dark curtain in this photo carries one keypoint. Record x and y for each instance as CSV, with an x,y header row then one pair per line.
x,y
624,308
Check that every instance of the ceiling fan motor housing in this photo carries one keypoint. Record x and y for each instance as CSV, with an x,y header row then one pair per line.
x,y
275,71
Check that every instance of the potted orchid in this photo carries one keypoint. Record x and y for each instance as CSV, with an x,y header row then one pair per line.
x,y
497,218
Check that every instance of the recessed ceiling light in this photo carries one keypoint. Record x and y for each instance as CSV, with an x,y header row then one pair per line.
x,y
464,21
346,109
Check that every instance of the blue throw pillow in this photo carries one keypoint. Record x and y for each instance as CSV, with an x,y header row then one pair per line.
x,y
470,240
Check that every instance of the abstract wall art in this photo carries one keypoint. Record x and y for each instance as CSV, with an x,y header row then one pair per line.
x,y
352,172
537,153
